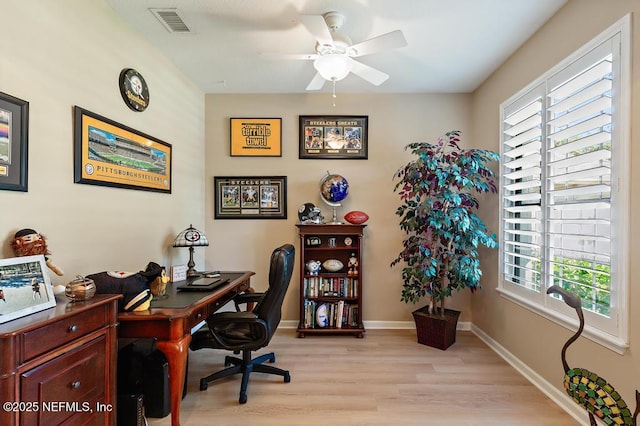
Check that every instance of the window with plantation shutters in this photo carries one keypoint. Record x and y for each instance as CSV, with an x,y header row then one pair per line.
x,y
522,190
564,180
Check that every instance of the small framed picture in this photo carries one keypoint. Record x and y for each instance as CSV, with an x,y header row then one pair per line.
x,y
256,137
250,197
25,287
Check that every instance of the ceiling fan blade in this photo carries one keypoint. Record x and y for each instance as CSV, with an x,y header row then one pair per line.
x,y
316,83
368,73
387,41
318,28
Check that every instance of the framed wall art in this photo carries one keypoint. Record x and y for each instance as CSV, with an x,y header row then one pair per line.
x,y
334,137
110,154
14,139
25,287
256,137
250,197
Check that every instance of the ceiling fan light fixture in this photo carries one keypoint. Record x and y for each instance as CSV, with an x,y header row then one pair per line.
x,y
333,67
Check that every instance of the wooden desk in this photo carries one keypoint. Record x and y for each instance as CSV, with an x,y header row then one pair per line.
x,y
170,320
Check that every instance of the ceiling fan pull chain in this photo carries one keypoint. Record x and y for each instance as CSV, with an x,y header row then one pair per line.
x,y
334,93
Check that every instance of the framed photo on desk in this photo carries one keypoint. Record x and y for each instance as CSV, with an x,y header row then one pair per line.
x,y
25,287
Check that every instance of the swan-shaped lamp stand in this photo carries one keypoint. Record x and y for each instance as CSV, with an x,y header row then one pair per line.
x,y
586,388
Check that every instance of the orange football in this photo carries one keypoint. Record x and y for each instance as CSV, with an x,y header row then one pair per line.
x,y
356,217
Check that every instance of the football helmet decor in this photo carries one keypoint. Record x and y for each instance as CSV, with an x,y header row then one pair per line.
x,y
309,213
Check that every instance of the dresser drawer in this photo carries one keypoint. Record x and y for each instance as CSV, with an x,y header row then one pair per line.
x,y
68,387
45,338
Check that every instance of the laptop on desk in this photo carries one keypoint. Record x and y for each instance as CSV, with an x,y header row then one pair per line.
x,y
203,284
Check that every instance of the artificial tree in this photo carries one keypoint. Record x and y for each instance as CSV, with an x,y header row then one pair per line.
x,y
438,215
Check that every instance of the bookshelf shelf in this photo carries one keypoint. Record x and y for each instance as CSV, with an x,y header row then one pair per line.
x,y
331,302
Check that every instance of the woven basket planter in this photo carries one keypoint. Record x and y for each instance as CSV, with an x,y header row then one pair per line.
x,y
435,330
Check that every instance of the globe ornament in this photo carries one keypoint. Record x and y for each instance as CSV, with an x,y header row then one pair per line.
x,y
333,190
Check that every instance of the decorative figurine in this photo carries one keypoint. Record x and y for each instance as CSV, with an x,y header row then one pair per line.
x,y
313,266
586,388
352,265
158,280
27,242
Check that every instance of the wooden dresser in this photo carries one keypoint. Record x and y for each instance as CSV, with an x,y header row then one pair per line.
x,y
58,366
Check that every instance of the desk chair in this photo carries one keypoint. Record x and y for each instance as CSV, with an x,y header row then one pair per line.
x,y
250,330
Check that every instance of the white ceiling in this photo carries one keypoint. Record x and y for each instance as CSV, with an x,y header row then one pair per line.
x,y
453,45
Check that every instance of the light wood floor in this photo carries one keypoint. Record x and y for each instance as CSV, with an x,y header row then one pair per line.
x,y
386,378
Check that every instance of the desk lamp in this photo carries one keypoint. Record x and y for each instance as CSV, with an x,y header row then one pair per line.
x,y
191,238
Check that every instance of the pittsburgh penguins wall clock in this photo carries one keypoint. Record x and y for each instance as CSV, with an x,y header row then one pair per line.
x,y
134,90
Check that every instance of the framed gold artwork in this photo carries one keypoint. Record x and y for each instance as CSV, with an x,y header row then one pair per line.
x,y
256,137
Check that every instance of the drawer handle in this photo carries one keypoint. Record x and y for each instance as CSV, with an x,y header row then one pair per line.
x,y
75,385
73,329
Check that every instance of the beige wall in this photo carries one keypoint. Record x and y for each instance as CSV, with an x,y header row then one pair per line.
x,y
531,338
64,53
394,121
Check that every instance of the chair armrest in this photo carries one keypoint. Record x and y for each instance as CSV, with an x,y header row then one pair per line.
x,y
240,299
247,298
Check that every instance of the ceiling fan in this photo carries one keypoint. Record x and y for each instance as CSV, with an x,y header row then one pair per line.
x,y
334,55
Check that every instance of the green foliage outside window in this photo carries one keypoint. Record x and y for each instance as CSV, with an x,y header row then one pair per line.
x,y
591,282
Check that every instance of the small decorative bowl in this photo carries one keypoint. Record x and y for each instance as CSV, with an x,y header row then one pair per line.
x,y
80,289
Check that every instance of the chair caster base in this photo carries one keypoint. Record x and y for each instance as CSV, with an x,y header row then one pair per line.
x,y
243,398
287,377
203,385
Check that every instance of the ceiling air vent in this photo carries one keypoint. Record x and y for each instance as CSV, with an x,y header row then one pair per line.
x,y
171,20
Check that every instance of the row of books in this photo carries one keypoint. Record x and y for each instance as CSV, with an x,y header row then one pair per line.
x,y
325,315
331,287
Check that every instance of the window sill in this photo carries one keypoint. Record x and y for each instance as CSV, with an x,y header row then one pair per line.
x,y
613,343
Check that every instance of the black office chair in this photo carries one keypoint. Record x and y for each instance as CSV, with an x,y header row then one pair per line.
x,y
250,330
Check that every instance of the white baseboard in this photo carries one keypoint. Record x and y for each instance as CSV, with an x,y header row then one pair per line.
x,y
381,325
288,324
